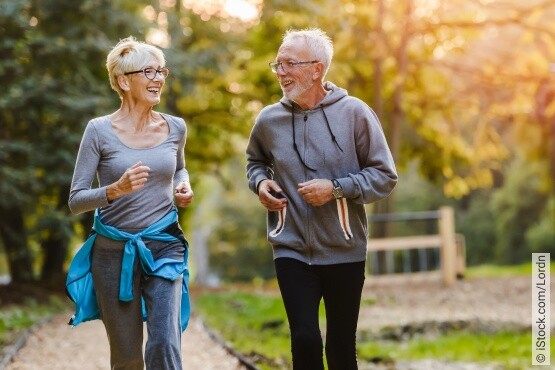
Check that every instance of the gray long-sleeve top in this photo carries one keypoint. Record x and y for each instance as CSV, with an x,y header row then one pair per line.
x,y
104,155
359,159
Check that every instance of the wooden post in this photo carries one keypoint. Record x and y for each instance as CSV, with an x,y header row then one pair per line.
x,y
461,255
448,246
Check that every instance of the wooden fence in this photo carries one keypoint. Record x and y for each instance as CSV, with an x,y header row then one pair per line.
x,y
451,246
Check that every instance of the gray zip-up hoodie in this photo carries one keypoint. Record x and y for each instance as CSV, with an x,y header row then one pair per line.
x,y
339,139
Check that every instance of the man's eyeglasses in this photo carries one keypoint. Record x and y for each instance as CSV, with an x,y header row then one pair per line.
x,y
287,66
150,72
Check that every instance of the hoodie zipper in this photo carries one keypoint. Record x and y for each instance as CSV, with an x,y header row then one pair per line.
x,y
308,224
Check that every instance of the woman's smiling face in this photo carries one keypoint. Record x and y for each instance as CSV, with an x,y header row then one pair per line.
x,y
145,90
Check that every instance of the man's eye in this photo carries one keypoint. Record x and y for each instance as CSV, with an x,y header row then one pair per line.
x,y
290,64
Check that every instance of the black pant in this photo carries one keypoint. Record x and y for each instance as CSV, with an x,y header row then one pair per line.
x,y
302,287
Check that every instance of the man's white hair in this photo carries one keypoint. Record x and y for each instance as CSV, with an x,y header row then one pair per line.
x,y
317,41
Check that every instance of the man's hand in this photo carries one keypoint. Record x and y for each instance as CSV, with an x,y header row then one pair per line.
x,y
316,192
183,194
271,195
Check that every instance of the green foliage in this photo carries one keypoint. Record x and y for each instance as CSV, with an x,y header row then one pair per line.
x,y
441,76
501,225
52,73
518,205
477,224
414,193
541,236
239,248
55,81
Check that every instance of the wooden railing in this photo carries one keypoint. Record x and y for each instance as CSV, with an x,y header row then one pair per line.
x,y
452,249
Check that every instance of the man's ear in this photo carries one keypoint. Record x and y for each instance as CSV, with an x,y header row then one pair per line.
x,y
123,82
318,73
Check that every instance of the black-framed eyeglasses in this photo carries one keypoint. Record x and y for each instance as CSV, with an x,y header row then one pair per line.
x,y
151,73
287,66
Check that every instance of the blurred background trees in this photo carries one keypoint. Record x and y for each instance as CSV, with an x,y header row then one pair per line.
x,y
464,90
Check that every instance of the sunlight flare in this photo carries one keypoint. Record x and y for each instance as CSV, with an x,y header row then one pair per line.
x,y
243,10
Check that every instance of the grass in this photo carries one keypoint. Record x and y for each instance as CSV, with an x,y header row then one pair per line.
x,y
493,271
511,350
14,319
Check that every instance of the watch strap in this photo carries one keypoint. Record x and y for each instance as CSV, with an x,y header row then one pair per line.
x,y
337,189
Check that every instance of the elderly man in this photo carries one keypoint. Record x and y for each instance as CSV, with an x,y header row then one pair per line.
x,y
314,159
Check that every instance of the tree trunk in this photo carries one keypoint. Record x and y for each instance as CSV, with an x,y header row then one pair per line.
x,y
55,248
12,233
384,260
201,255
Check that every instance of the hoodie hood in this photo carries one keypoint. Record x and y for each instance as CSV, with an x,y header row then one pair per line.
x,y
334,95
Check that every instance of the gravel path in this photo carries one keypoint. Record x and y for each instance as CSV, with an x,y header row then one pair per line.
x,y
55,346
397,302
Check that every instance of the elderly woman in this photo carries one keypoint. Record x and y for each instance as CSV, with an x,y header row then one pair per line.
x,y
133,267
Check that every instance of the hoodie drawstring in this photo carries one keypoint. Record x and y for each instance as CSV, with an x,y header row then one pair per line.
x,y
329,128
295,141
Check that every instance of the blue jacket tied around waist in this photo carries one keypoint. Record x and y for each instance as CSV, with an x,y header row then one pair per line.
x,y
79,283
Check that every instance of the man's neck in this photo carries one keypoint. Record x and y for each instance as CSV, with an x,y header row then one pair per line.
x,y
312,99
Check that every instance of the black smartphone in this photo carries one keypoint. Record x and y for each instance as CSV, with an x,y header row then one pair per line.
x,y
277,195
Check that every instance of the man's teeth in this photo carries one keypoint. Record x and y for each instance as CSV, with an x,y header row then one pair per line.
x,y
153,90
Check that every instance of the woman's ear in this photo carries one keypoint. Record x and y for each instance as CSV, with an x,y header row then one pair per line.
x,y
123,82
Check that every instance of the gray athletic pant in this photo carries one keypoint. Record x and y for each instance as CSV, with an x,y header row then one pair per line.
x,y
123,320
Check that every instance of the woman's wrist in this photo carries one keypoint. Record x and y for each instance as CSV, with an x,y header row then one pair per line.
x,y
112,192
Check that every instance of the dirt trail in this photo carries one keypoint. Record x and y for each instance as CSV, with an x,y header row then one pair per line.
x,y
56,346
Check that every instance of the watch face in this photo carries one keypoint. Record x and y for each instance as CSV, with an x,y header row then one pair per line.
x,y
337,189
337,192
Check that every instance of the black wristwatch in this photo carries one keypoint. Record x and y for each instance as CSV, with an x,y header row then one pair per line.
x,y
337,189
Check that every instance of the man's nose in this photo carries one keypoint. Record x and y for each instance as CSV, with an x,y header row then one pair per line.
x,y
281,70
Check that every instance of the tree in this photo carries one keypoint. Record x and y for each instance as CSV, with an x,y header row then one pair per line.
x,y
518,207
442,75
54,75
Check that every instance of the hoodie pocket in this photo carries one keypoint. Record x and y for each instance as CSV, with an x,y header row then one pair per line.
x,y
280,224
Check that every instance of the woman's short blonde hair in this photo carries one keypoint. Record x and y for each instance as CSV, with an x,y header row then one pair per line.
x,y
130,55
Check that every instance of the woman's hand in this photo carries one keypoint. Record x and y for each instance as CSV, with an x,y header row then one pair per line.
x,y
183,194
133,179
